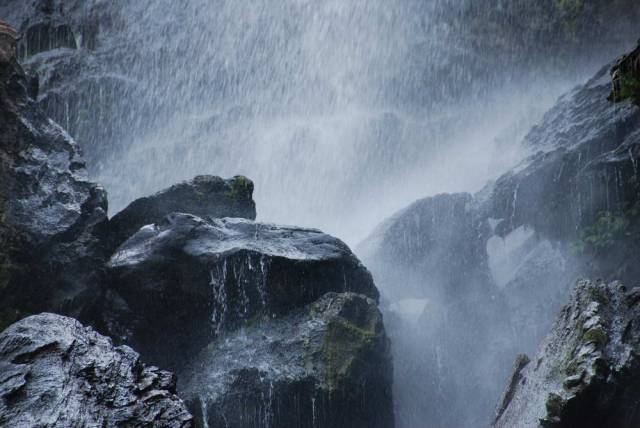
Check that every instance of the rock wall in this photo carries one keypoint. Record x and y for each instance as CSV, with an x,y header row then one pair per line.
x,y
52,214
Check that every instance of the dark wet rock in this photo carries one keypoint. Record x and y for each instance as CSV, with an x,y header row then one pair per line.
x,y
56,372
325,365
80,82
586,373
568,180
204,196
52,215
186,279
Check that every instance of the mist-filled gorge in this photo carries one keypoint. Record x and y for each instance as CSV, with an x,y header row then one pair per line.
x,y
459,185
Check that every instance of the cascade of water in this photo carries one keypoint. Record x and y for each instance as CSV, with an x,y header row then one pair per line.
x,y
328,105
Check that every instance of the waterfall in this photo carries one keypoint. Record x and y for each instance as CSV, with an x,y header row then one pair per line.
x,y
341,111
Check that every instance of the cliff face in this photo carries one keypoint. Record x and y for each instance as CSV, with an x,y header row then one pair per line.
x,y
501,261
586,371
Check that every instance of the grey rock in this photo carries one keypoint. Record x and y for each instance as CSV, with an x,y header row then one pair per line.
x,y
186,280
55,372
204,196
325,365
53,216
586,372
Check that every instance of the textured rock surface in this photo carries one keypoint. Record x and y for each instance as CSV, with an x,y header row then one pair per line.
x,y
186,279
52,214
326,365
204,196
570,207
55,372
586,372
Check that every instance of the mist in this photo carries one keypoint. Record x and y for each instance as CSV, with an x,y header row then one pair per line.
x,y
393,125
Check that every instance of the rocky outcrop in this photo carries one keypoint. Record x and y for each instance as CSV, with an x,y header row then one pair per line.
x,y
52,215
572,206
204,196
586,372
56,372
325,365
186,279
262,322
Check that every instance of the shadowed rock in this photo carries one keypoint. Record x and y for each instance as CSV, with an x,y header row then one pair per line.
x,y
55,372
586,373
52,215
204,196
326,365
185,280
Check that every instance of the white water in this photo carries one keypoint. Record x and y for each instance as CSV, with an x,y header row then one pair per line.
x,y
326,105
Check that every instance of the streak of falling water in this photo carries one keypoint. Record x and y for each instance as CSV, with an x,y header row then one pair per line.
x,y
326,105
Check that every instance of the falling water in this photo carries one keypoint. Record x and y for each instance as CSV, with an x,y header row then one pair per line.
x,y
340,111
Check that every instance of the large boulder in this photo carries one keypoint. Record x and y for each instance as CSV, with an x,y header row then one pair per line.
x,y
56,372
52,214
325,365
586,373
204,196
185,280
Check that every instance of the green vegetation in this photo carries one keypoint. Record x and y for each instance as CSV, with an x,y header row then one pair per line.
x,y
241,188
343,344
629,88
608,229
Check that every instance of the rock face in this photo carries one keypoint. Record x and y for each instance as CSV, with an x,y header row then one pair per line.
x,y
571,207
586,372
325,365
204,196
187,279
56,372
52,215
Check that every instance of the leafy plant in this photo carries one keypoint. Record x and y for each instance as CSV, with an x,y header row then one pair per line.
x,y
609,228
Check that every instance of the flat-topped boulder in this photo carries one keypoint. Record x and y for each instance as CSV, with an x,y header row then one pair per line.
x,y
55,372
586,373
325,365
186,279
203,196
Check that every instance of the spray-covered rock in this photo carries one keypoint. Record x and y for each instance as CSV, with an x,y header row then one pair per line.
x,y
325,365
185,280
586,373
56,372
